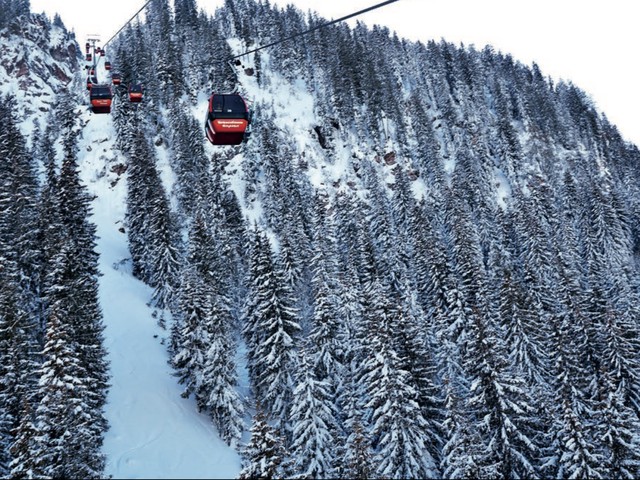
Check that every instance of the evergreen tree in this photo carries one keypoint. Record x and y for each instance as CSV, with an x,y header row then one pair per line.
x,y
502,406
10,9
398,427
186,14
415,345
73,281
57,21
190,335
264,455
151,228
23,464
619,423
67,444
357,455
189,160
167,64
165,256
50,228
520,320
219,378
323,335
18,199
573,449
463,448
19,277
269,330
620,427
18,359
312,421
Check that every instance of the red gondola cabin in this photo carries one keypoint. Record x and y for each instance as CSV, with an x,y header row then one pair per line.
x,y
88,57
135,93
227,119
101,97
107,65
116,79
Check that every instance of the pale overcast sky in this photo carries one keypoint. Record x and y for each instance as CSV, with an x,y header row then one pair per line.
x,y
591,43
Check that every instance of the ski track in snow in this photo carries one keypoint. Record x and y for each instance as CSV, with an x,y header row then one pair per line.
x,y
154,433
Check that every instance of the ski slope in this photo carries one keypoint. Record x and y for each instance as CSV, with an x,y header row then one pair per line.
x,y
154,433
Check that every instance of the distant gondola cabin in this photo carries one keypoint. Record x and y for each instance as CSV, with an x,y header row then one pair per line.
x,y
101,98
227,119
107,65
116,79
135,93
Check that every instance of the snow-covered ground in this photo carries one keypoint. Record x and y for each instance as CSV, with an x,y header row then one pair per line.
x,y
154,433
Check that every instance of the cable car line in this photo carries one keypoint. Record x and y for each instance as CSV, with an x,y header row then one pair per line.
x,y
127,23
277,42
228,116
317,27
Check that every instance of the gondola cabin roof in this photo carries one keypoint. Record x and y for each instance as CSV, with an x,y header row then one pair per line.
x,y
227,105
101,91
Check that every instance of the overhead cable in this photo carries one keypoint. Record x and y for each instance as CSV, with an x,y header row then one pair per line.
x,y
128,22
299,34
317,27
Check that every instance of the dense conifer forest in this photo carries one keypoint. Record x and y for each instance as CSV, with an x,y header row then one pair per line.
x,y
438,279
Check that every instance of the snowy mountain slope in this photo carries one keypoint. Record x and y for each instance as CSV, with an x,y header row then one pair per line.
x,y
433,222
293,105
153,433
37,60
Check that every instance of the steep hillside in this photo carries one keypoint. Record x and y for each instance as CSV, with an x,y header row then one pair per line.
x,y
66,171
38,60
423,263
418,242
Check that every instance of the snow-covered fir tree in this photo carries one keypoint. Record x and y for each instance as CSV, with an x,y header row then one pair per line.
x,y
264,456
270,328
312,421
